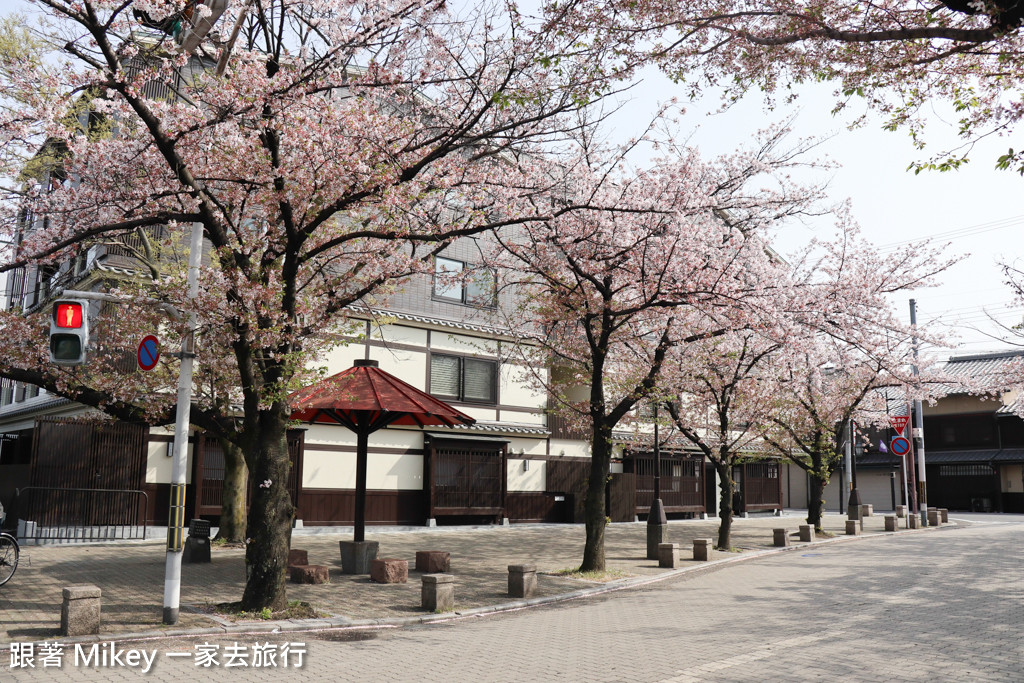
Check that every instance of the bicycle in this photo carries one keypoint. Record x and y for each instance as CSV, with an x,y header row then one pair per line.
x,y
9,552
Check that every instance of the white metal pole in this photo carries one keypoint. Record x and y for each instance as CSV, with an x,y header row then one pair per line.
x,y
917,431
176,519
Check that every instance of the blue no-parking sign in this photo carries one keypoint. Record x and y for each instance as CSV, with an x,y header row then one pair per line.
x,y
900,445
149,352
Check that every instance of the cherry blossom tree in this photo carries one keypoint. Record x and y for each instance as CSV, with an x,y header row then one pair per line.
x,y
896,55
717,400
663,258
328,155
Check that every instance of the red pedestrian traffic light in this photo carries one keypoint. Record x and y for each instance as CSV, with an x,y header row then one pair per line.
x,y
69,331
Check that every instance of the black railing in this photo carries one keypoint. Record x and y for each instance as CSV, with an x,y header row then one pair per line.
x,y
70,515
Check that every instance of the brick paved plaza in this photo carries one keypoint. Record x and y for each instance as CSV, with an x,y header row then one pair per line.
x,y
931,606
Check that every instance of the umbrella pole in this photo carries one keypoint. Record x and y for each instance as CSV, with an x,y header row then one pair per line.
x,y
362,445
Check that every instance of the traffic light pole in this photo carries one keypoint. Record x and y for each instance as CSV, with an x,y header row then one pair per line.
x,y
176,518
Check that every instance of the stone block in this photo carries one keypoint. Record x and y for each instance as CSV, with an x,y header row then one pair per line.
x,y
703,549
944,513
668,555
890,522
901,511
297,556
389,570
80,610
780,537
522,580
356,556
806,533
867,510
914,521
309,573
852,527
438,592
934,517
433,561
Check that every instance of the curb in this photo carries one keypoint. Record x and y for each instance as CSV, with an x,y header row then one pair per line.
x,y
345,624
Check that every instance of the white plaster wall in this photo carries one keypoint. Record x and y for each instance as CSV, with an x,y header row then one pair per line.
x,y
485,414
521,479
517,388
526,447
399,334
340,358
461,343
523,417
409,366
1013,478
570,448
384,471
159,468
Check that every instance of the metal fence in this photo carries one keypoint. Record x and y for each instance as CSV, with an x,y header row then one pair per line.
x,y
69,515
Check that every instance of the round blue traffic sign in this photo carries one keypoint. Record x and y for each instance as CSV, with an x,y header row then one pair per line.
x,y
149,352
900,445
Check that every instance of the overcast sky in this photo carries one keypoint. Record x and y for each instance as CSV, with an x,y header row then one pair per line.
x,y
977,209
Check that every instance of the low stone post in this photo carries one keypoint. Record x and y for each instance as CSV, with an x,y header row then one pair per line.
x,y
702,549
297,556
867,510
668,555
806,533
852,527
945,515
80,610
438,592
914,521
934,517
890,522
901,511
522,580
780,537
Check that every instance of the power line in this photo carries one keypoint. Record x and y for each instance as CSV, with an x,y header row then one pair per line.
x,y
958,233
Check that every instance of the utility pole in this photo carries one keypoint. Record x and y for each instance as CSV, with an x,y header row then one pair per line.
x,y
918,430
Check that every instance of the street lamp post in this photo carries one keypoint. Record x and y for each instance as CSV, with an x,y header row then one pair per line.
x,y
656,519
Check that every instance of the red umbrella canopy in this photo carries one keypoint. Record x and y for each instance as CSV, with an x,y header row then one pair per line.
x,y
366,398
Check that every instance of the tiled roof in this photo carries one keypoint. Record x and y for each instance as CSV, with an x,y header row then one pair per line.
x,y
983,364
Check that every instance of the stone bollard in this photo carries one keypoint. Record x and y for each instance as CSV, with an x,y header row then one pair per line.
x,y
806,533
438,592
901,511
668,555
890,522
934,517
522,580
867,510
852,527
913,520
80,611
702,549
389,570
945,515
780,537
297,557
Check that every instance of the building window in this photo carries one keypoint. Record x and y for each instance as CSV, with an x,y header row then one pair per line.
x,y
463,379
458,282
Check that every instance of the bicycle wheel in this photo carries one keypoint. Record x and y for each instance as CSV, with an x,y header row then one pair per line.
x,y
8,557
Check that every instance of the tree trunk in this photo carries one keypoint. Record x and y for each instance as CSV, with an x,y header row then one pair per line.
x,y
595,514
270,514
236,480
725,487
816,500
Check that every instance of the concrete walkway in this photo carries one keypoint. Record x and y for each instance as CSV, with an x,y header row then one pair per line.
x,y
130,574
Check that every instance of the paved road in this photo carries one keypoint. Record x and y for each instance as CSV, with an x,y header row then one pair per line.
x,y
939,606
